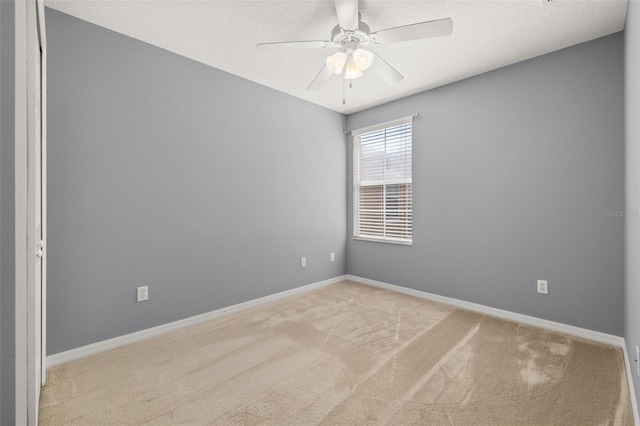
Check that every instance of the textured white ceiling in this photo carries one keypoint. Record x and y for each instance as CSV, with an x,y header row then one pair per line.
x,y
486,35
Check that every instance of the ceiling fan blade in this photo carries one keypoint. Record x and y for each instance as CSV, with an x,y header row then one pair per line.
x,y
293,45
421,30
386,72
320,78
347,11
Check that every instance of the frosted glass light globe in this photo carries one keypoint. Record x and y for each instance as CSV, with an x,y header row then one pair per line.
x,y
336,62
352,71
363,58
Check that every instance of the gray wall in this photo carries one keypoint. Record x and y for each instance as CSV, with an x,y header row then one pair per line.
x,y
632,157
513,171
7,208
169,173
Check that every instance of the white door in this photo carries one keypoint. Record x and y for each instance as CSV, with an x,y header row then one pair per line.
x,y
36,178
30,218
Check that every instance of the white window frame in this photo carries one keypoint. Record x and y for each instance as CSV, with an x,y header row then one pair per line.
x,y
356,134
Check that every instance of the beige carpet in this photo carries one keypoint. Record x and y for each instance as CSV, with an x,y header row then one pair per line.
x,y
347,354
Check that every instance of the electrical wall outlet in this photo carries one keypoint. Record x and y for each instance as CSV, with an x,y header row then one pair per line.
x,y
303,262
143,293
332,257
543,287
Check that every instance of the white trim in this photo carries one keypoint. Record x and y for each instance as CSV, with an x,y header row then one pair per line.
x,y
378,126
34,270
42,32
596,336
632,391
384,240
94,348
21,373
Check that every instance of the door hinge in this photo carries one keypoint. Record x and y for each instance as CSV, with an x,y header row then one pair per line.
x,y
40,249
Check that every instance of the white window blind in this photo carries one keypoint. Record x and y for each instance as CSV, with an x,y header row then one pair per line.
x,y
382,195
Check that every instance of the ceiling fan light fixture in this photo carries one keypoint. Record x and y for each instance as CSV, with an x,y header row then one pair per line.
x,y
336,62
350,34
363,58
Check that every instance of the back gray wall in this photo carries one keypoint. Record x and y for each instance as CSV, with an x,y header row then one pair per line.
x,y
513,171
165,172
7,213
632,157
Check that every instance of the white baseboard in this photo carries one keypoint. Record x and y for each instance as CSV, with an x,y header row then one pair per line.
x,y
584,333
94,348
609,339
104,345
632,392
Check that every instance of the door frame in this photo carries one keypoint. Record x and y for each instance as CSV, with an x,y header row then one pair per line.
x,y
42,37
30,302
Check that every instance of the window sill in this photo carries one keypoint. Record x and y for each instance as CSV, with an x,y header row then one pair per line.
x,y
388,241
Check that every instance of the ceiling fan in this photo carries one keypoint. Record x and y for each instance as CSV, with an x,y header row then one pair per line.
x,y
352,37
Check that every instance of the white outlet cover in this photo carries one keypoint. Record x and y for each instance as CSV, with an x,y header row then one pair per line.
x,y
143,293
543,287
303,262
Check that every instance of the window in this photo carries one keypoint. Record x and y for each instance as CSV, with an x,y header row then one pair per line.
x,y
382,204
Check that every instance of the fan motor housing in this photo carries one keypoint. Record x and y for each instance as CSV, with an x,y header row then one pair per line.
x,y
349,39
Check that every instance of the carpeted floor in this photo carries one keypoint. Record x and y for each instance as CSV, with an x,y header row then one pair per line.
x,y
347,354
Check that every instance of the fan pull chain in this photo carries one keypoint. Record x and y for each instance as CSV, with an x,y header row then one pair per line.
x,y
343,89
